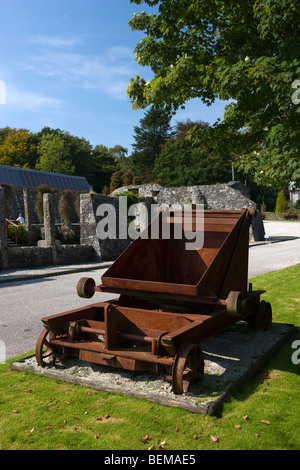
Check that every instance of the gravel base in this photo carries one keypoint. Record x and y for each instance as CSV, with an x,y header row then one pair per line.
x,y
231,358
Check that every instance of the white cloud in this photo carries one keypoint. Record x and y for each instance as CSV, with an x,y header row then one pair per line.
x,y
54,41
25,101
58,59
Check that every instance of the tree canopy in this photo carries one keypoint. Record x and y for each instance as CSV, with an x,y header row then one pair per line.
x,y
58,151
150,135
188,161
55,155
18,147
244,52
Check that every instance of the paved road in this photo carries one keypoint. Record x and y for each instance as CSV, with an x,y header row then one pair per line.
x,y
24,303
274,256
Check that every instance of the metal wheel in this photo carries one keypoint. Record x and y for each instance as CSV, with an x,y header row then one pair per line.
x,y
86,287
263,316
187,367
44,349
235,304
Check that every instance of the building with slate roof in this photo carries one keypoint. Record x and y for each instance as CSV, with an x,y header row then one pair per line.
x,y
22,177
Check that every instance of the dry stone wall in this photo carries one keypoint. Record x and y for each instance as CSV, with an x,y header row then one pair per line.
x,y
231,196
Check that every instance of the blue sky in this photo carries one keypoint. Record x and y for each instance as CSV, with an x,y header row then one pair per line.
x,y
66,64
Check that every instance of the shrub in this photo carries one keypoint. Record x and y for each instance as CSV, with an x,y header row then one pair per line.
x,y
38,206
281,203
22,234
105,190
66,235
116,181
127,178
67,207
9,192
290,216
136,180
297,205
132,198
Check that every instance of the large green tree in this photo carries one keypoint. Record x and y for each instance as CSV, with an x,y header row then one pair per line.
x,y
186,161
77,151
104,165
154,130
55,155
246,52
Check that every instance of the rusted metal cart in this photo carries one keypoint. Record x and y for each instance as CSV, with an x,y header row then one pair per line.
x,y
169,301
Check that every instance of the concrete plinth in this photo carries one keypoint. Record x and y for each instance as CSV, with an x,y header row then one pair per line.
x,y
231,358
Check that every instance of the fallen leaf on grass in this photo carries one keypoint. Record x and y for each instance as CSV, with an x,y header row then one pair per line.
x,y
214,438
245,417
67,402
161,445
237,426
145,439
265,421
150,448
32,430
96,437
15,411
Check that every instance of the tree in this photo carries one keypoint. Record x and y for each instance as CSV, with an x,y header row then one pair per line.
x,y
123,162
79,150
18,147
153,132
127,178
241,51
281,203
55,155
116,181
184,161
188,128
103,165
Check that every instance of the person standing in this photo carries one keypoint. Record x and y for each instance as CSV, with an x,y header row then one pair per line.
x,y
20,219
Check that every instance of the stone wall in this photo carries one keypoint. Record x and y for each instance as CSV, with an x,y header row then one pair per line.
x,y
106,249
231,196
34,256
16,205
48,252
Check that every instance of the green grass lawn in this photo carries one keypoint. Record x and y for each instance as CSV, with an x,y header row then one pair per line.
x,y
46,414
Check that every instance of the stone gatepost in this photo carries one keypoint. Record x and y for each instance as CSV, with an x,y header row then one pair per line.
x,y
27,213
49,224
3,241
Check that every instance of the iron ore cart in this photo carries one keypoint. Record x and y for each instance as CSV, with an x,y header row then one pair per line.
x,y
169,301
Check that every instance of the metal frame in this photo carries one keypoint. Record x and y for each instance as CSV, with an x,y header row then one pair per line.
x,y
170,301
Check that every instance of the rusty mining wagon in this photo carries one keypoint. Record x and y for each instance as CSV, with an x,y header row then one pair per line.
x,y
169,301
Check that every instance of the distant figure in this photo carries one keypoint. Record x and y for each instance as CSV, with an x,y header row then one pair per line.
x,y
20,219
